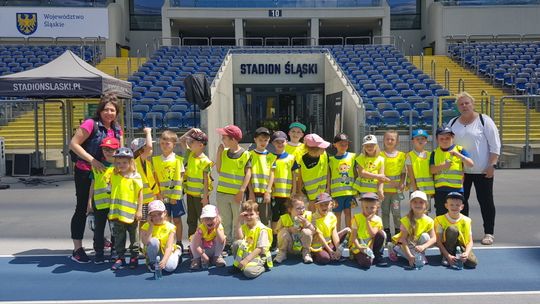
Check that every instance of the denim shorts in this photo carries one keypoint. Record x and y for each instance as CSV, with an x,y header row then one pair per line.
x,y
344,202
176,210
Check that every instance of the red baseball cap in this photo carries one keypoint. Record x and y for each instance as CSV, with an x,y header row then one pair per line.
x,y
232,131
110,142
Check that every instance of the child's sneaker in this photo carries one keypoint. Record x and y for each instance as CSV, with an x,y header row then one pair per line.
x,y
195,264
99,258
444,262
306,256
80,256
392,255
226,250
379,262
280,257
218,261
107,244
133,262
119,263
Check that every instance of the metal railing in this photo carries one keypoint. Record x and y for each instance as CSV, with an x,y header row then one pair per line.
x,y
447,78
274,3
461,85
433,69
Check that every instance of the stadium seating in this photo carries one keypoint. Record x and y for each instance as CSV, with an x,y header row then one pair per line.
x,y
510,64
18,58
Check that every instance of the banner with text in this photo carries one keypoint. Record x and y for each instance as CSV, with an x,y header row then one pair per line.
x,y
54,22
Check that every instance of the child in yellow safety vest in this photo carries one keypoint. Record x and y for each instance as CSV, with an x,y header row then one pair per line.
x,y
233,164
341,179
394,169
417,232
417,163
327,239
313,168
142,151
169,169
367,235
198,181
454,230
251,250
126,206
446,164
295,147
159,239
262,175
295,230
370,167
100,196
208,241
284,172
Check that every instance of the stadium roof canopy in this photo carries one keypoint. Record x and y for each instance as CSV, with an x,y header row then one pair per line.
x,y
66,76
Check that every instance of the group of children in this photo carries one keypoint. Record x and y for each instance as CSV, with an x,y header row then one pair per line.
x,y
291,199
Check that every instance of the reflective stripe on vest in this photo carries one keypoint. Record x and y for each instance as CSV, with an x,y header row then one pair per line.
x,y
196,166
342,175
287,221
453,176
283,173
232,172
393,167
371,165
150,189
246,247
314,178
102,190
325,225
463,226
169,174
124,198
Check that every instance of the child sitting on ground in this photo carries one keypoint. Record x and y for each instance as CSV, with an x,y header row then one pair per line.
x,y
208,241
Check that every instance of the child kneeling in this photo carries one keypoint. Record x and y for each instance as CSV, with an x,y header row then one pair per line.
x,y
295,231
159,238
251,250
208,241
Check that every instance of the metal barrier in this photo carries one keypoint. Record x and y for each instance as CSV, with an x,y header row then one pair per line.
x,y
369,39
433,67
309,41
205,40
214,39
447,78
528,101
277,39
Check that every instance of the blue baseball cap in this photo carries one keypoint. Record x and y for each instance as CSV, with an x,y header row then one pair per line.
x,y
419,132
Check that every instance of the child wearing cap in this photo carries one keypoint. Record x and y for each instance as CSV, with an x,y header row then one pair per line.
x,y
233,165
142,152
198,182
416,232
341,178
251,250
208,241
367,232
313,168
99,198
394,169
296,133
454,229
262,178
295,230
126,206
327,238
370,168
284,184
169,169
159,239
417,163
446,164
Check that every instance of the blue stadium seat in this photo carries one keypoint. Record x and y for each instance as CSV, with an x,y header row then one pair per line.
x,y
384,106
402,106
138,120
174,120
411,117
420,106
153,120
179,108
391,119
373,118
427,117
141,108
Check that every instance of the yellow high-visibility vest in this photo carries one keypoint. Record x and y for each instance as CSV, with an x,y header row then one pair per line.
x,y
102,189
423,225
342,175
194,176
169,174
314,178
393,167
261,164
249,243
463,225
231,175
124,198
371,164
453,176
362,233
283,172
422,176
150,188
325,225
287,221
